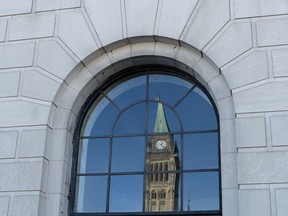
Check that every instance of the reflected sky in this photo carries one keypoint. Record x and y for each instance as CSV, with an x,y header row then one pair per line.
x,y
117,135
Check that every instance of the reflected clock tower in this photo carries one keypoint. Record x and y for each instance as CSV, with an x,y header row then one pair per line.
x,y
162,156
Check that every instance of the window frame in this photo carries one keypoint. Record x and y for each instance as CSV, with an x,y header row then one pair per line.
x,y
135,72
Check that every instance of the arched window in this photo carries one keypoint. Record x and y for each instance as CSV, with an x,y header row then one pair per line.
x,y
129,128
153,194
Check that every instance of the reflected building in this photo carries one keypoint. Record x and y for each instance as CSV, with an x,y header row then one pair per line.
x,y
162,186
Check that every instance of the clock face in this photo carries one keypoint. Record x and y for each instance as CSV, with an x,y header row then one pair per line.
x,y
161,144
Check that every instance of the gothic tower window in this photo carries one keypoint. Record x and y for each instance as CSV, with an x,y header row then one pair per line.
x,y
147,142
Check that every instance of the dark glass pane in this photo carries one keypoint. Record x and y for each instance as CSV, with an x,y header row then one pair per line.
x,y
128,154
161,116
91,194
129,91
93,155
201,151
132,120
197,113
126,193
163,149
162,195
100,118
201,191
169,88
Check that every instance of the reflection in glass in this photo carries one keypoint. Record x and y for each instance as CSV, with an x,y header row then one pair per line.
x,y
169,116
93,155
100,118
91,194
201,191
196,112
201,151
132,120
169,88
129,91
128,154
126,193
162,187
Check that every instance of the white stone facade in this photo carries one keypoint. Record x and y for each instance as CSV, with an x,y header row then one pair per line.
x,y
54,53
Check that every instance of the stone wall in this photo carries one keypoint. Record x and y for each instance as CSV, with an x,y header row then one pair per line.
x,y
54,53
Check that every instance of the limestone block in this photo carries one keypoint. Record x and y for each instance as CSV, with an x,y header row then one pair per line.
x,y
142,49
9,7
107,19
18,113
140,17
44,5
230,202
56,183
266,97
188,56
75,33
211,14
27,205
279,130
248,8
254,202
33,143
280,63
4,205
120,53
14,55
58,144
40,86
232,43
229,170
164,49
81,79
173,16
21,176
206,70
226,108
272,32
281,201
251,68
32,26
9,83
66,97
217,88
250,132
3,27
228,136
53,58
8,143
262,167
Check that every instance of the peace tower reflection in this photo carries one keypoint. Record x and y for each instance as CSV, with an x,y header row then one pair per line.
x,y
162,186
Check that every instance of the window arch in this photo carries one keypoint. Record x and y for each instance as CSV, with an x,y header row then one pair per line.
x,y
129,129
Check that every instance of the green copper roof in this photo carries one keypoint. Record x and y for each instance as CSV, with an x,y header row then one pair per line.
x,y
161,125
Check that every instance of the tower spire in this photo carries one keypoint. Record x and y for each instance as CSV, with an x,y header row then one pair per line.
x,y
161,125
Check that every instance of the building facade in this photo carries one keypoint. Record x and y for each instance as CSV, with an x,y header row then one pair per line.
x,y
55,54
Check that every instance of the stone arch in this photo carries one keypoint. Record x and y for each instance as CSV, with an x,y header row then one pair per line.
x,y
101,64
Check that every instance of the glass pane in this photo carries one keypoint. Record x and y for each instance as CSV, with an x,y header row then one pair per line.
x,y
129,91
100,118
201,191
126,193
93,155
162,195
168,88
91,194
197,113
128,154
162,119
132,120
201,151
162,149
